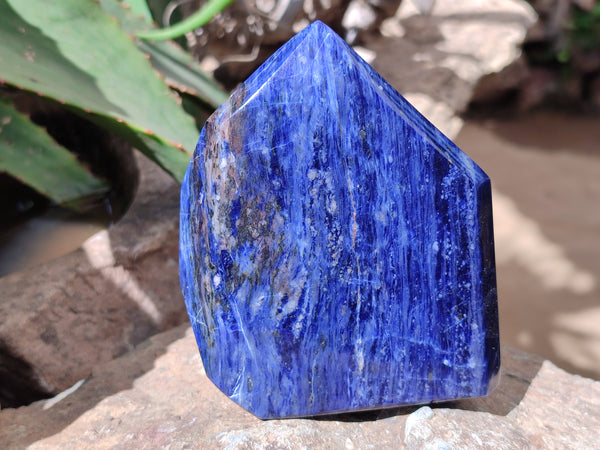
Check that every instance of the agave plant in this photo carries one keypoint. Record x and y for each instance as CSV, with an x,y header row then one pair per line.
x,y
85,56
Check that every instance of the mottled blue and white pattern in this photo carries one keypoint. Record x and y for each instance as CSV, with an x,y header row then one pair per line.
x,y
336,249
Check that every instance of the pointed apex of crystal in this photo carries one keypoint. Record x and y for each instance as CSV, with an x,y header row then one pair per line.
x,y
336,249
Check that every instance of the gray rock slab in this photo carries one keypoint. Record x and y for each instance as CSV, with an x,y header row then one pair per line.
x,y
159,396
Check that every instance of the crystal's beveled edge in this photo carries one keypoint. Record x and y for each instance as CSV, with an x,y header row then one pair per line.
x,y
411,115
490,298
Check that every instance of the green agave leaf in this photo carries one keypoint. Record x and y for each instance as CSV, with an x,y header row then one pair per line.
x,y
29,154
75,53
182,72
140,7
176,65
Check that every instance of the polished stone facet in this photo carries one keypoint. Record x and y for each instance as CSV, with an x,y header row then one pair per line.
x,y
336,249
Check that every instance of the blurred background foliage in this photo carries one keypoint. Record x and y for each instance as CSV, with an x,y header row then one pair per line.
x,y
563,52
582,33
83,56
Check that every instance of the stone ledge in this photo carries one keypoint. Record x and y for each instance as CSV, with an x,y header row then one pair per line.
x,y
158,396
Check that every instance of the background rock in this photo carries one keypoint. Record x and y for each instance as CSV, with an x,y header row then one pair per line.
x,y
438,61
60,319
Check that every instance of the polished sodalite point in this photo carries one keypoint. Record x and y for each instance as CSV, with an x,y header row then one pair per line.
x,y
336,249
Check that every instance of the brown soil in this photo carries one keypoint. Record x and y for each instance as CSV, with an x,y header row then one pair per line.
x,y
545,169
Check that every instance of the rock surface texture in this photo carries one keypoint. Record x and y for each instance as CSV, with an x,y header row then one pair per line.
x,y
157,396
62,318
333,240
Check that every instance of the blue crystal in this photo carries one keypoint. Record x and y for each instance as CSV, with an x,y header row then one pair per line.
x,y
336,249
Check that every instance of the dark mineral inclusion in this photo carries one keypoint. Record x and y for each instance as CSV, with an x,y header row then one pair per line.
x,y
336,249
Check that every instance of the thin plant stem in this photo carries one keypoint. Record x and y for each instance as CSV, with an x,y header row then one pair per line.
x,y
196,20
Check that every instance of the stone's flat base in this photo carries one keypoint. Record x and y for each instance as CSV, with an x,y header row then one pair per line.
x,y
158,396
336,248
